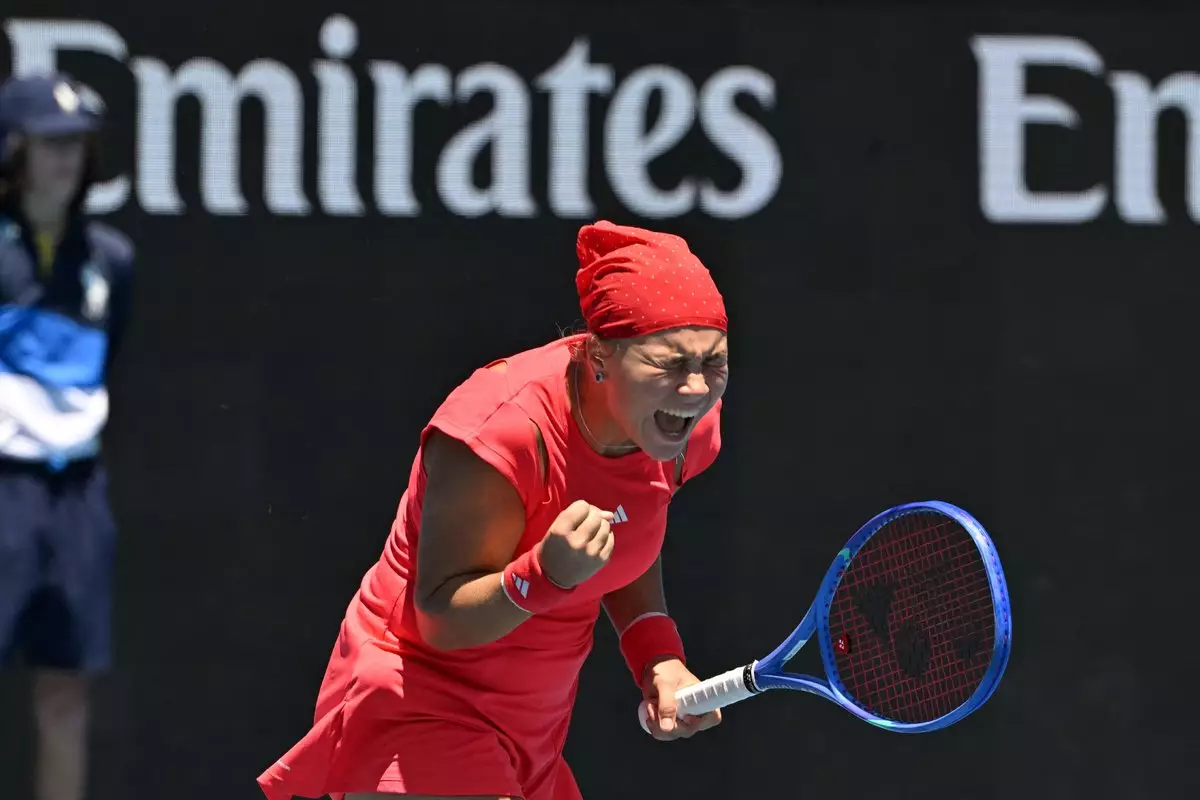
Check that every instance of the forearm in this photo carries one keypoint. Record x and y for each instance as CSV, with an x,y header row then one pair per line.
x,y
646,634
643,596
468,611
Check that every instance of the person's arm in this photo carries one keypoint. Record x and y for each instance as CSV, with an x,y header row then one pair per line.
x,y
471,523
654,654
643,596
640,610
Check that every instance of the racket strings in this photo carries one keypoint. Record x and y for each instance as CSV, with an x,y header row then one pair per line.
x,y
913,612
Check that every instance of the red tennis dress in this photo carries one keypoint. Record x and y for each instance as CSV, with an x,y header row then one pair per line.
x,y
396,716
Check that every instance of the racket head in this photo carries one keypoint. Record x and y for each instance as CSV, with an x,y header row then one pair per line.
x,y
913,618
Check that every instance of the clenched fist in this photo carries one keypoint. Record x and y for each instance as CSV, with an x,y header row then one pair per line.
x,y
577,545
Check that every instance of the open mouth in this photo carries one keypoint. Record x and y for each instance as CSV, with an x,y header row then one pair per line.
x,y
674,425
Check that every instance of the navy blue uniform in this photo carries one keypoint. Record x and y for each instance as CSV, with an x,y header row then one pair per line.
x,y
60,329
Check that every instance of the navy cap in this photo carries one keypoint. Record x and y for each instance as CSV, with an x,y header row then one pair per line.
x,y
48,105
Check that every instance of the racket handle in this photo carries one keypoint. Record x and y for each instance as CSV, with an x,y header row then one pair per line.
x,y
716,692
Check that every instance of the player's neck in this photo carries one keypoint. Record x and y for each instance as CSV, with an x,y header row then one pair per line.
x,y
591,414
47,216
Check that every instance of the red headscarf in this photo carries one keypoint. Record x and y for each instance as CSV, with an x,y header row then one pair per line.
x,y
633,282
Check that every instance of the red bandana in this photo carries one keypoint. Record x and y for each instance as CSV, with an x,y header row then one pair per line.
x,y
633,282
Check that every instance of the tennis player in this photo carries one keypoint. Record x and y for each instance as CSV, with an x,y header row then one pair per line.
x,y
64,303
539,494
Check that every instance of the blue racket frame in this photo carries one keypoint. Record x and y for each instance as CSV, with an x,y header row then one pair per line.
x,y
768,672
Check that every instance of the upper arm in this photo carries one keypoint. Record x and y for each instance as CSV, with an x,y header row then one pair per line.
x,y
472,517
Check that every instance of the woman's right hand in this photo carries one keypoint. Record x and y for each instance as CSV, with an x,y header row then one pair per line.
x,y
578,544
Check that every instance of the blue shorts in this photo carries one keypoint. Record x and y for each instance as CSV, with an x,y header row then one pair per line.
x,y
57,542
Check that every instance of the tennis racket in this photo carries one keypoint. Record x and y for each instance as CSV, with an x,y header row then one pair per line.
x,y
912,620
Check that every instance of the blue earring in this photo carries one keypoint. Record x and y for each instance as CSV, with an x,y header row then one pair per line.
x,y
599,377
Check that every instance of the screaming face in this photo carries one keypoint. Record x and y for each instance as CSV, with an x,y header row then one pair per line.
x,y
659,386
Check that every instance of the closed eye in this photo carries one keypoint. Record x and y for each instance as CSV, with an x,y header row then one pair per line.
x,y
676,364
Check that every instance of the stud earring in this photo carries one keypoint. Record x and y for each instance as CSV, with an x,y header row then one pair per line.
x,y
599,377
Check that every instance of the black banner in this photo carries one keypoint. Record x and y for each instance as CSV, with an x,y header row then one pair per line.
x,y
957,251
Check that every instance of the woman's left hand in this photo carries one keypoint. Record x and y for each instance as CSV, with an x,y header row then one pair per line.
x,y
663,679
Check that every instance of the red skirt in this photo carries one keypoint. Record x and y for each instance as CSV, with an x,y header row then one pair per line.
x,y
395,720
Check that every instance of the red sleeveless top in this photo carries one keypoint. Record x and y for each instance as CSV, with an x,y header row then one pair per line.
x,y
523,685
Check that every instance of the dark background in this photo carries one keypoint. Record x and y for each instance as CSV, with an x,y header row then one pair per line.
x,y
890,345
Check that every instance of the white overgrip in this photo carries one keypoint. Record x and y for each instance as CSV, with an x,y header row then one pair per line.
x,y
716,692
